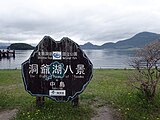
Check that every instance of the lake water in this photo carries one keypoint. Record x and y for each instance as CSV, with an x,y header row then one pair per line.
x,y
108,58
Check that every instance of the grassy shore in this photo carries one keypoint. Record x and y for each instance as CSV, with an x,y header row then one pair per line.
x,y
107,88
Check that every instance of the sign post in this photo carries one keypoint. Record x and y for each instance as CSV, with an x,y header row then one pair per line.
x,y
59,70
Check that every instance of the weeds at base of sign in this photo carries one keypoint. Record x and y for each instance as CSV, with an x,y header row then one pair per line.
x,y
40,101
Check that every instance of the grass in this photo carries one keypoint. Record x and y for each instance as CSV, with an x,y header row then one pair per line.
x,y
107,88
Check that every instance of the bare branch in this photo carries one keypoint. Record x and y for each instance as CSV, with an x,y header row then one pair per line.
x,y
147,64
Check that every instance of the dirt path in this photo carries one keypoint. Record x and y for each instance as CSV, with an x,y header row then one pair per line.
x,y
105,113
8,114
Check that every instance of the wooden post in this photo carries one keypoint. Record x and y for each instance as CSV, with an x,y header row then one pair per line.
x,y
14,53
75,102
7,52
3,53
0,54
39,101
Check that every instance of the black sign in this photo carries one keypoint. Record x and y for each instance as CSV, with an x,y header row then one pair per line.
x,y
57,69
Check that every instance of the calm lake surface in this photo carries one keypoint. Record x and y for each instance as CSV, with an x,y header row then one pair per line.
x,y
108,58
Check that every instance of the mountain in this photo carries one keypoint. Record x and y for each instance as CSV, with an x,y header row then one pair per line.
x,y
137,41
20,46
3,45
89,46
107,45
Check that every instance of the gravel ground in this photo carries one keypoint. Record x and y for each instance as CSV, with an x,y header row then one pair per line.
x,y
8,114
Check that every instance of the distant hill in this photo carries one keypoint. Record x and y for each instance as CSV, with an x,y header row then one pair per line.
x,y
89,46
3,45
20,46
107,45
137,41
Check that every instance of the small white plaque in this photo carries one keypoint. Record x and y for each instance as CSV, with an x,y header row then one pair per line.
x,y
57,92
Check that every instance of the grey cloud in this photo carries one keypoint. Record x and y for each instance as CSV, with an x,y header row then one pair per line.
x,y
102,23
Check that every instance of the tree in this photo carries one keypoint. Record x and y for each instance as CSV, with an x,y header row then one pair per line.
x,y
146,75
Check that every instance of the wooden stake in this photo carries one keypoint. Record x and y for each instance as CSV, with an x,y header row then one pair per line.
x,y
75,102
39,101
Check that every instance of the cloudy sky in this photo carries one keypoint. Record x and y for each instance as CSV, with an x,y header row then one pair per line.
x,y
96,21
